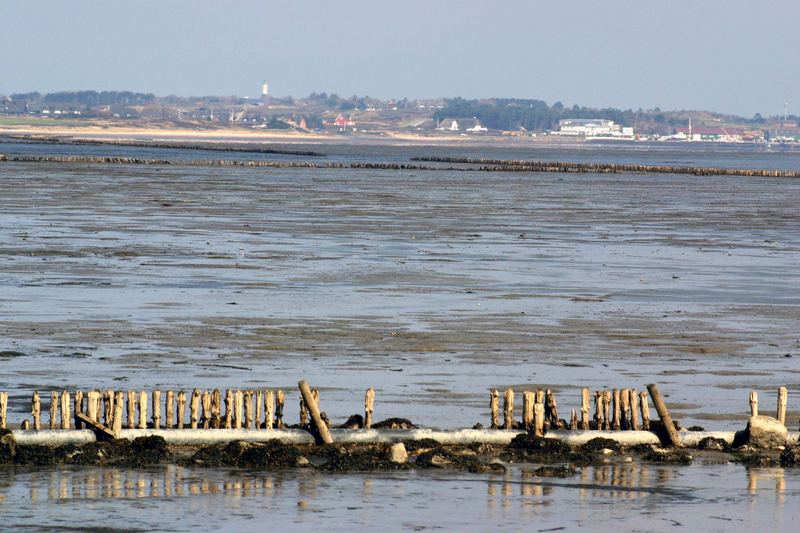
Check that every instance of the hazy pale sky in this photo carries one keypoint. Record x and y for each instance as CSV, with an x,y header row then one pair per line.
x,y
738,56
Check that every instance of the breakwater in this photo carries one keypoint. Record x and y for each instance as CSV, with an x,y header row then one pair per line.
x,y
521,165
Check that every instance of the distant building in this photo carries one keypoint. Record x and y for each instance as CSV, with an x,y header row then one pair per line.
x,y
264,89
471,125
591,127
342,122
711,134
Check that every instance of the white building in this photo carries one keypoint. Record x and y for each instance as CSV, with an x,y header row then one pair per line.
x,y
590,127
264,89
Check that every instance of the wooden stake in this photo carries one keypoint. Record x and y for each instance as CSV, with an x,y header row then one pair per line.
x,y
606,409
645,411
98,406
3,409
551,410
248,409
538,420
573,421
528,400
508,409
584,408
369,405
206,403
132,409
181,404
169,408
238,411
119,404
228,409
599,421
108,407
142,410
65,410
54,400
194,409
634,401
663,413
78,408
216,401
259,407
313,409
303,413
783,399
269,409
615,423
625,402
494,407
156,409
279,402
753,403
91,404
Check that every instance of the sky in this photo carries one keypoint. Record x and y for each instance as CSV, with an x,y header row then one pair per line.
x,y
731,56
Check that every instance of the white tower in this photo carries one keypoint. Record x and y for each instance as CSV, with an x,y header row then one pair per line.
x,y
264,89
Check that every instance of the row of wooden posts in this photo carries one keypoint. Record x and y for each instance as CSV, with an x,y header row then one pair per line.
x,y
243,409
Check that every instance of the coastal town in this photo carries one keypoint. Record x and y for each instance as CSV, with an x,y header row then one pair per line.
x,y
324,113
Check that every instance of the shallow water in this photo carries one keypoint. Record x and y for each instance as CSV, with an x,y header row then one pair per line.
x,y
617,496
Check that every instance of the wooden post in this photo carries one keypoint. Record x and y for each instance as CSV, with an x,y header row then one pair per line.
x,y
91,404
54,400
206,403
753,403
156,409
508,409
633,395
663,413
369,405
65,406
142,410
3,410
615,422
598,410
228,409
279,402
119,404
584,408
528,400
783,399
131,409
606,409
194,408
539,396
573,420
169,409
238,411
98,405
216,404
259,407
181,404
248,409
645,411
303,412
269,409
78,408
625,402
313,409
551,409
107,398
538,420
494,407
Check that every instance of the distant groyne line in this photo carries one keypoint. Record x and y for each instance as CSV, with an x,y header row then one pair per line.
x,y
174,145
521,165
442,164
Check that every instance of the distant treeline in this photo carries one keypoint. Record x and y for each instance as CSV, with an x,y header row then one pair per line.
x,y
87,98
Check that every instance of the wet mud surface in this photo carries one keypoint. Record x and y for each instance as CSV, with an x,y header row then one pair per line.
x,y
430,287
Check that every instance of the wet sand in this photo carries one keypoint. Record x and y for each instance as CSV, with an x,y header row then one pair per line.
x,y
431,287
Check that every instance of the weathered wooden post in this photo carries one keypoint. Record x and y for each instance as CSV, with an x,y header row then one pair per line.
x,y
625,402
573,420
181,404
194,409
216,405
3,410
248,409
65,406
228,409
54,400
313,409
606,409
156,409
599,410
169,409
615,422
528,400
259,407
538,420
119,404
494,407
206,403
634,401
238,412
78,408
269,409
279,402
645,411
369,406
303,412
131,409
753,403
508,409
98,404
783,399
663,413
142,409
551,410
108,407
584,408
